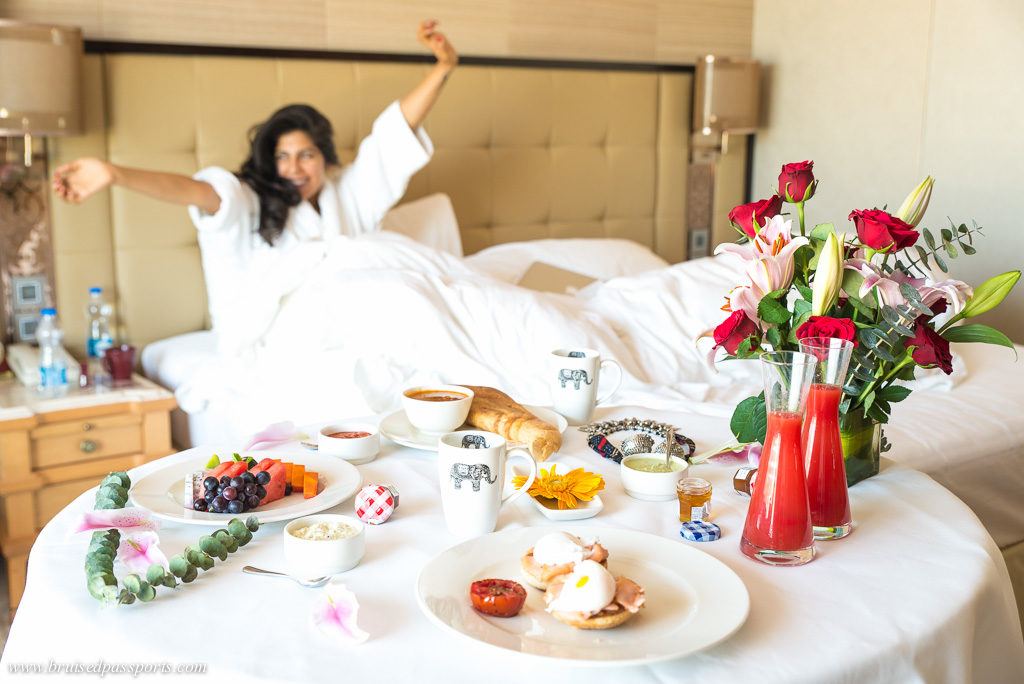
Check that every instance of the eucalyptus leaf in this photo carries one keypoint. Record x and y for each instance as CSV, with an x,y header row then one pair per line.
x,y
212,547
922,254
928,238
132,583
155,574
910,292
862,373
178,566
146,592
968,250
238,529
940,263
190,575
947,234
951,250
126,597
169,581
252,523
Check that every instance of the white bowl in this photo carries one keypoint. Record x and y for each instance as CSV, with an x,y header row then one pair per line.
x,y
355,450
309,558
437,416
650,486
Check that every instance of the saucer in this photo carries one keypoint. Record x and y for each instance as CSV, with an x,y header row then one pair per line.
x,y
398,429
584,509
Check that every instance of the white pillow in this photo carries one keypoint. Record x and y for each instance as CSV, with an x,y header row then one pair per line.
x,y
429,220
600,258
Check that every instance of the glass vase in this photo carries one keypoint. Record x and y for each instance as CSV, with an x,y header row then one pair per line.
x,y
821,441
778,528
861,437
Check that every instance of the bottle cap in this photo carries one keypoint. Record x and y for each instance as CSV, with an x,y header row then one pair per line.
x,y
95,290
700,531
49,311
376,503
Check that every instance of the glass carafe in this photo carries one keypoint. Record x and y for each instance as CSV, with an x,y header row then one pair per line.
x,y
827,494
778,526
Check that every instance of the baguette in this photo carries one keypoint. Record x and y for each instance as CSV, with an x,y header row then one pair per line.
x,y
495,411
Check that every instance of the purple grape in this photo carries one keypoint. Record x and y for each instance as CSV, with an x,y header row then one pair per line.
x,y
235,506
210,483
237,482
225,480
261,492
252,501
199,505
248,478
263,477
250,489
220,502
210,495
230,493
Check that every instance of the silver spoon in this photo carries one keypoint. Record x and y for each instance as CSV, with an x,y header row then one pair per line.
x,y
310,583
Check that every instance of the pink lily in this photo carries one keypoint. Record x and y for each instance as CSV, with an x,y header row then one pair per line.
x,y
273,435
139,551
955,292
886,286
336,616
770,266
131,520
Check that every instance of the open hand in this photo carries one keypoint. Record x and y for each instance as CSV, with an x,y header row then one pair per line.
x,y
78,180
437,42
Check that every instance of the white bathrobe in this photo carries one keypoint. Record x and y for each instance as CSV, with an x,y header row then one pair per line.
x,y
246,278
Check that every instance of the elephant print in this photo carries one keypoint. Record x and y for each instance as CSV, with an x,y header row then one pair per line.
x,y
474,472
573,375
474,442
577,355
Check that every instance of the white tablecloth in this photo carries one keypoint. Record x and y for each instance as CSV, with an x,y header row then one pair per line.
x,y
918,593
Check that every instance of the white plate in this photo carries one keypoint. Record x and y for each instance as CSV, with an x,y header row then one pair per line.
x,y
584,509
163,492
398,429
693,600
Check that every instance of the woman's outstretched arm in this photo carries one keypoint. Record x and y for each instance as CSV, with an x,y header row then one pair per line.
x,y
78,180
418,102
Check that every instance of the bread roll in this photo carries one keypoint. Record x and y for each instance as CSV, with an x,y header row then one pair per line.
x,y
495,411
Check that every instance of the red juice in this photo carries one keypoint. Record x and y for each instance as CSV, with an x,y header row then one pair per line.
x,y
778,518
827,494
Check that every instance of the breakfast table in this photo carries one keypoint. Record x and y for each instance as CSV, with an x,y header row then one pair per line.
x,y
917,593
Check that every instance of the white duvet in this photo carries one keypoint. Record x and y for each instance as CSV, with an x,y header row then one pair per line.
x,y
383,312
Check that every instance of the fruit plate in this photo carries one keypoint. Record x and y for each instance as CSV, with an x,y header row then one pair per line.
x,y
163,491
693,600
399,430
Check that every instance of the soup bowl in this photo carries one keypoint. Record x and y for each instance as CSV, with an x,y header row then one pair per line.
x,y
437,408
352,441
641,481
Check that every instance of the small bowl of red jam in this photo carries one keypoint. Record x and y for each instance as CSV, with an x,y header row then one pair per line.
x,y
353,441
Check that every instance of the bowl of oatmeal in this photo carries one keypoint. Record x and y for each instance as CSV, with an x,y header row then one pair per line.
x,y
323,544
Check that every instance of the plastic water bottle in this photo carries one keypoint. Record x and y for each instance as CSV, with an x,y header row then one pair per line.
x,y
53,374
97,315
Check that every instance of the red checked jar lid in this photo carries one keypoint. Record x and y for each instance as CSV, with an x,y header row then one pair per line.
x,y
376,503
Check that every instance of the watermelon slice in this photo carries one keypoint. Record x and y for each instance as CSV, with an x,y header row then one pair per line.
x,y
235,468
275,488
262,465
219,470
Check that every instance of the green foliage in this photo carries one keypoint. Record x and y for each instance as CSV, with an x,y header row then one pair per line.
x,y
772,310
976,332
749,421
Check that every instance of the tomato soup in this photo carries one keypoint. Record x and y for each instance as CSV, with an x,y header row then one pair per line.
x,y
349,434
435,395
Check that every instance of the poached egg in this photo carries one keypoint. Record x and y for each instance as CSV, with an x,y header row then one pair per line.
x,y
587,589
559,548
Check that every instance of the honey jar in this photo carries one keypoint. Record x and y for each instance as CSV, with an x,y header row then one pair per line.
x,y
694,495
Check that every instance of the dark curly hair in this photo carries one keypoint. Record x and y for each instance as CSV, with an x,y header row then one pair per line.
x,y
259,171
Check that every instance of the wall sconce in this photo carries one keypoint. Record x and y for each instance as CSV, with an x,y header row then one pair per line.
x,y
40,69
726,99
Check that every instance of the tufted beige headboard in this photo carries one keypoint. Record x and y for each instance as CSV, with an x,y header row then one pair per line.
x,y
523,153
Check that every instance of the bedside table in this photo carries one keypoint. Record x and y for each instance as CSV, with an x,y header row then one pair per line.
x,y
52,450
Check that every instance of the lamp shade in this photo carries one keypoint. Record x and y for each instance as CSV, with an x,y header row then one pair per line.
x,y
727,95
40,79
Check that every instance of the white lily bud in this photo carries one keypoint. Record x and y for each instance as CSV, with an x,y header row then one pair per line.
x,y
912,210
828,276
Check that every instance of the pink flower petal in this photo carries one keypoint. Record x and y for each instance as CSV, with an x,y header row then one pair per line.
x,y
335,615
122,519
275,434
139,550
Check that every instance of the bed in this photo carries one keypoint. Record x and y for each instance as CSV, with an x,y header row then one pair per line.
x,y
603,198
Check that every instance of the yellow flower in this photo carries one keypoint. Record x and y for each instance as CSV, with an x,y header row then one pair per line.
x,y
566,489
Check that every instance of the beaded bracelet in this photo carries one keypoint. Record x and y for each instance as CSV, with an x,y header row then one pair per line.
x,y
640,443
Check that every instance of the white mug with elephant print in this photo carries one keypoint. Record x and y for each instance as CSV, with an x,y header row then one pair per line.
x,y
471,470
575,376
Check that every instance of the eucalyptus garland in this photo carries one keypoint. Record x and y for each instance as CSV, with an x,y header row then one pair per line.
x,y
99,559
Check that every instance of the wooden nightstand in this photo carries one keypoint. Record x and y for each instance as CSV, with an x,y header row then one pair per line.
x,y
52,450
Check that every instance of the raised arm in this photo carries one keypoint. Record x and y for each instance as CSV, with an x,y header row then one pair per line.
x,y
418,102
78,180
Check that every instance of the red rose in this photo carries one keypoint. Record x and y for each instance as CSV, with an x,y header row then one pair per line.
x,y
823,326
744,216
881,231
929,348
796,181
734,330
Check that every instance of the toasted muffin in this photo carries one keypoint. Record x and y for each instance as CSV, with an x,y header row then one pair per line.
x,y
597,600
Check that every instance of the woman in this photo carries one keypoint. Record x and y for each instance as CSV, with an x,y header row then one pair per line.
x,y
261,229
